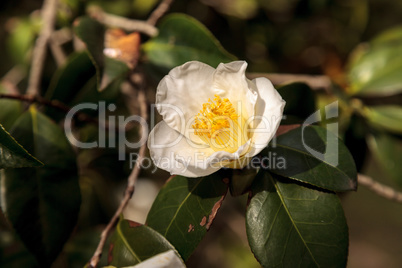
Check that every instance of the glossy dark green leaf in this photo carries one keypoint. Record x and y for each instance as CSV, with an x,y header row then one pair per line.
x,y
387,150
182,38
312,155
300,102
92,34
12,154
290,225
375,68
387,117
42,204
113,70
185,208
133,243
89,93
69,80
75,83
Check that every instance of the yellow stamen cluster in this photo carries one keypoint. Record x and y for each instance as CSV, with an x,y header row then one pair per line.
x,y
219,125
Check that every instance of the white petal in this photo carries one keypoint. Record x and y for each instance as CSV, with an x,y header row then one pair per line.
x,y
237,159
268,115
167,259
174,153
182,92
230,82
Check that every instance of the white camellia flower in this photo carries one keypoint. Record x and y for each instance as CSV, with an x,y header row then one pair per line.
x,y
212,118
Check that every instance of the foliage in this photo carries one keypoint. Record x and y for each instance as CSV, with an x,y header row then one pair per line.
x,y
53,192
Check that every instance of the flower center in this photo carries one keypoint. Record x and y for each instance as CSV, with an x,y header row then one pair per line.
x,y
219,125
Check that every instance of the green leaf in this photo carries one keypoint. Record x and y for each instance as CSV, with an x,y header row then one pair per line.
x,y
113,70
300,102
12,154
388,152
42,204
182,38
386,117
184,210
133,243
389,36
10,110
21,37
92,33
294,155
76,83
69,80
374,69
290,225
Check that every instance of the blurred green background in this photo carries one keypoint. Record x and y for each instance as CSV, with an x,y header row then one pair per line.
x,y
281,36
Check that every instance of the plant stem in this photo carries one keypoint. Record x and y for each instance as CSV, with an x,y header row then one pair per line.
x,y
380,189
162,8
123,23
128,193
39,52
314,81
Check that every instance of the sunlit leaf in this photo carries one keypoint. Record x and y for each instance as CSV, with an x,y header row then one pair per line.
x,y
185,209
375,68
182,38
389,36
42,204
387,117
22,37
290,225
312,155
133,243
388,152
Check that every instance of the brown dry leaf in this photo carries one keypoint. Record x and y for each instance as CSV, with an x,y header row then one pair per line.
x,y
122,46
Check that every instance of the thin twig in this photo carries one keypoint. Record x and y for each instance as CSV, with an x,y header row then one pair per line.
x,y
130,185
50,103
159,12
316,82
62,36
58,53
35,99
57,39
39,51
380,189
121,22
15,75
